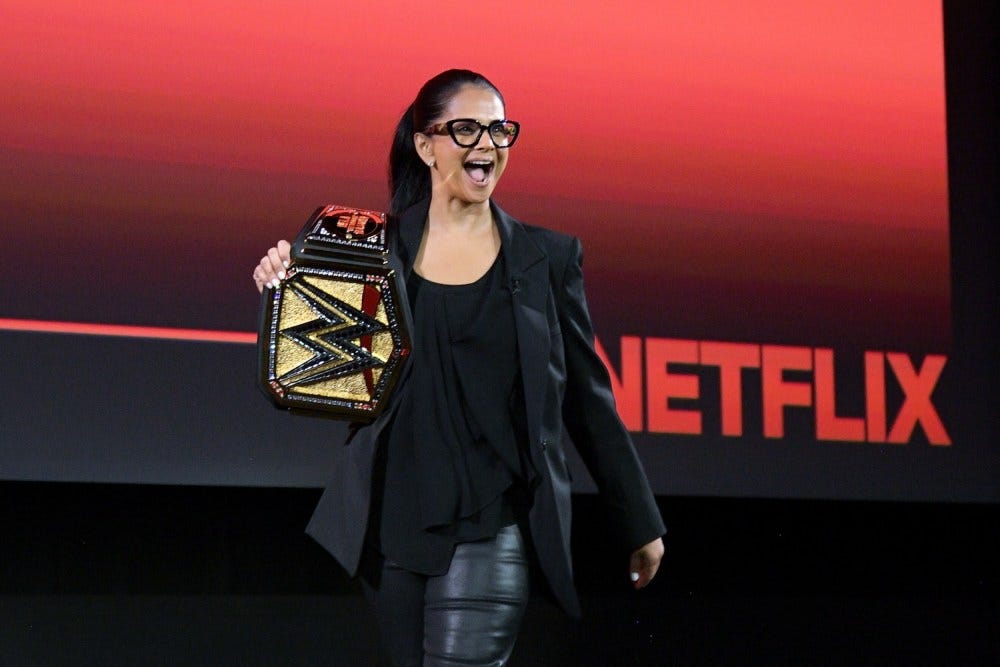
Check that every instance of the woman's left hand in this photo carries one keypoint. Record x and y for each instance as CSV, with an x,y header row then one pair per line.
x,y
644,563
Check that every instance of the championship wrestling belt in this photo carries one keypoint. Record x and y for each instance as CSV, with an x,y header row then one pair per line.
x,y
332,335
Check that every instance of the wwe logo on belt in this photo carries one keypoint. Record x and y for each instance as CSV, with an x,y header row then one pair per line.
x,y
330,337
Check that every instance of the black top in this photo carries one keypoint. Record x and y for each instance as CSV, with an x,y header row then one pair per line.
x,y
455,467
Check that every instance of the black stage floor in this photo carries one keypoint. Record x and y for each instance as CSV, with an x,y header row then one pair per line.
x,y
142,575
691,629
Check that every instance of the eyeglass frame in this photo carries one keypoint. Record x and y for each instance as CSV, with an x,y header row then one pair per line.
x,y
447,128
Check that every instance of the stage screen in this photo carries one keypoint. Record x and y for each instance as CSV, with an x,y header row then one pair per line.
x,y
761,189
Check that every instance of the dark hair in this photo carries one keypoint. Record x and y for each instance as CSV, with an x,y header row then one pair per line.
x,y
409,177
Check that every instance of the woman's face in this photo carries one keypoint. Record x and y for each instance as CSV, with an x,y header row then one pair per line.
x,y
467,174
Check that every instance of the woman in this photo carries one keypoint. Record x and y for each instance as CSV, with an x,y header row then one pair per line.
x,y
441,502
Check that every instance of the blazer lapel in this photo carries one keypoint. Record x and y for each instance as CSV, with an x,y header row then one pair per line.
x,y
406,241
528,280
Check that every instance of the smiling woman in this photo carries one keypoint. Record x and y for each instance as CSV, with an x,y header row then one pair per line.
x,y
466,164
441,503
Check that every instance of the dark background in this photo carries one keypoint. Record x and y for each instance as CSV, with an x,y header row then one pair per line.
x,y
769,172
166,574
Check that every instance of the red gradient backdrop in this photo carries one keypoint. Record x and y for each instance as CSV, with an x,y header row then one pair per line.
x,y
770,171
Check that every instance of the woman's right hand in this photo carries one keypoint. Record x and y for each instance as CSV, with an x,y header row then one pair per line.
x,y
271,269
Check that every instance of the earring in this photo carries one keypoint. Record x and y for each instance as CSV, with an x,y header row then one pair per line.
x,y
431,164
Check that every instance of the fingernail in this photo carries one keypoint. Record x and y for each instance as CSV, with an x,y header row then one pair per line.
x,y
635,576
275,283
285,263
281,275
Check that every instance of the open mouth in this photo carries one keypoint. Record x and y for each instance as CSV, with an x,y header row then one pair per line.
x,y
479,170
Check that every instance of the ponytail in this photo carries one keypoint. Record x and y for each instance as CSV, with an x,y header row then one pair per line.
x,y
409,177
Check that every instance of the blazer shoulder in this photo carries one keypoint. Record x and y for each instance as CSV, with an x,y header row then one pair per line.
x,y
560,248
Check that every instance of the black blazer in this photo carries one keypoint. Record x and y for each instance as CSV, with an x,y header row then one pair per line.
x,y
565,382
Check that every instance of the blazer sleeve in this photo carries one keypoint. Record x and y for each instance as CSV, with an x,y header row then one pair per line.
x,y
592,420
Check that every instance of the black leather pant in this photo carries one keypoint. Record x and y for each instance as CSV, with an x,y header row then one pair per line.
x,y
468,616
